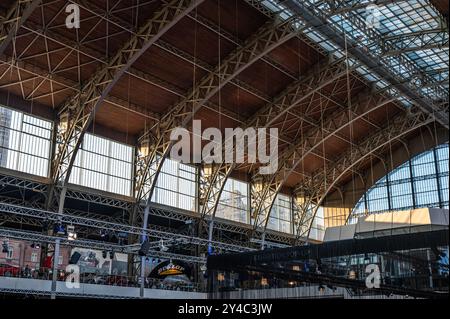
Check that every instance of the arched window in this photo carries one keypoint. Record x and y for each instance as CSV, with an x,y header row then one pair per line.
x,y
422,181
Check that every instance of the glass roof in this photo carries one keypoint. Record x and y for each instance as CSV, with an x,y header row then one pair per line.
x,y
409,38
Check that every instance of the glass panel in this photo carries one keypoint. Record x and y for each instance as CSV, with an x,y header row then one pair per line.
x,y
24,142
281,214
176,186
233,203
377,32
427,187
104,164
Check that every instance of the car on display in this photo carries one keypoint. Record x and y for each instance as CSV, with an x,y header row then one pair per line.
x,y
9,270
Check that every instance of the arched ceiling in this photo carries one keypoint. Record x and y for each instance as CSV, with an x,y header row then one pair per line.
x,y
138,68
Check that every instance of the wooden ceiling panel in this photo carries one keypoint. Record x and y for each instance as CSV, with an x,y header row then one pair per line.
x,y
265,78
381,114
442,6
5,5
293,179
93,27
310,164
238,101
296,56
118,119
133,12
233,16
27,85
357,129
214,119
198,41
28,44
141,93
221,23
168,67
333,147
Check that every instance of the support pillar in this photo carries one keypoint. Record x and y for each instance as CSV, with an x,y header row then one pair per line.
x,y
210,234
143,239
55,268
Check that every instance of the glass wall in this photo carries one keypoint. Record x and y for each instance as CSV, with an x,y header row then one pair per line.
x,y
176,185
377,198
403,271
400,188
442,166
280,218
25,142
104,164
233,203
420,182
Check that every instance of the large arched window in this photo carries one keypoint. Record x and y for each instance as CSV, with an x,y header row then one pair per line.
x,y
420,182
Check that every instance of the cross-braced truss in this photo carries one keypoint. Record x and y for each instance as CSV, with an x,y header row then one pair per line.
x,y
211,184
415,41
14,19
325,180
362,105
156,143
77,114
369,54
365,50
92,221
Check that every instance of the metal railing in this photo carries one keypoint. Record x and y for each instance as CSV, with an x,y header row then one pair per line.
x,y
102,279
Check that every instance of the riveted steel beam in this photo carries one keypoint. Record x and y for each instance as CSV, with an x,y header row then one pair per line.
x,y
321,75
418,38
156,143
77,114
15,17
320,183
359,108
318,18
92,221
415,41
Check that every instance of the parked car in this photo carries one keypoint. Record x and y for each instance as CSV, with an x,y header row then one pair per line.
x,y
9,270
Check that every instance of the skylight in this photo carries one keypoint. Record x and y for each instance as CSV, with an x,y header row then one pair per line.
x,y
410,40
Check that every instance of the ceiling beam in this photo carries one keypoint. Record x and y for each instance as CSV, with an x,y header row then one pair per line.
x,y
163,45
212,26
321,75
81,48
330,126
78,113
416,41
93,221
269,36
318,21
409,49
68,85
15,17
355,5
321,182
440,33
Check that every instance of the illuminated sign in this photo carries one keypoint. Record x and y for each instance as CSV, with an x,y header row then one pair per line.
x,y
170,268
